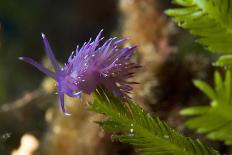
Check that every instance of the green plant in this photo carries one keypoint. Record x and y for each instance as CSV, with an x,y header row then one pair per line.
x,y
211,20
215,120
131,124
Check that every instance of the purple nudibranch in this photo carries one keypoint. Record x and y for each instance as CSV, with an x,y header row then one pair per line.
x,y
90,66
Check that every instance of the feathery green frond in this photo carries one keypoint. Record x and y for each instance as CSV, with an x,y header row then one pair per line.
x,y
214,120
131,124
224,60
211,20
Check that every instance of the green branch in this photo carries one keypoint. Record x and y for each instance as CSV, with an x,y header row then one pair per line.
x,y
211,20
131,124
214,120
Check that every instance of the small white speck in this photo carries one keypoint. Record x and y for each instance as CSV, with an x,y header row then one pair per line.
x,y
77,93
67,114
43,35
20,58
83,80
6,135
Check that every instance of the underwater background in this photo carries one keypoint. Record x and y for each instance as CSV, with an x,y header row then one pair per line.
x,y
30,116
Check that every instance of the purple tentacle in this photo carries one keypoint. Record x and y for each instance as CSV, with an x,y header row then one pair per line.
x,y
61,96
50,53
38,66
